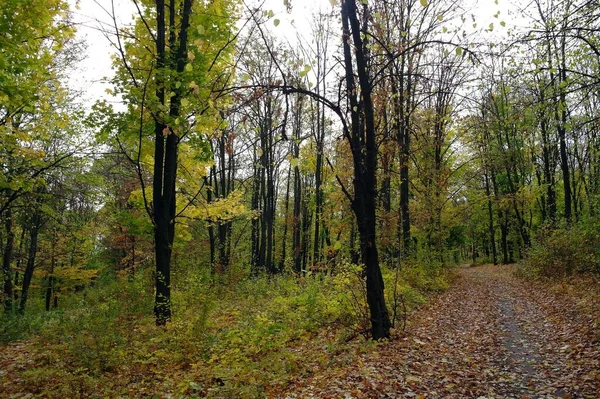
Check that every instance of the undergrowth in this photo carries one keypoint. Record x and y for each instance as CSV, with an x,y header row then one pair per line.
x,y
558,252
230,336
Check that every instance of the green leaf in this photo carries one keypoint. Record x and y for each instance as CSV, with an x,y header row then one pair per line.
x,y
492,26
424,3
185,102
189,68
294,162
459,51
502,23
276,22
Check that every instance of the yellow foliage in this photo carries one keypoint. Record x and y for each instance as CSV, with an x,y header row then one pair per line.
x,y
222,209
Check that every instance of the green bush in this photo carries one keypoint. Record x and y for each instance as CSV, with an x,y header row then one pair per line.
x,y
231,335
564,251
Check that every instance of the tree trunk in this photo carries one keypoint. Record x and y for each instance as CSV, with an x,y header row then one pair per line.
x,y
165,152
364,152
296,217
491,230
50,278
256,221
285,221
7,259
28,275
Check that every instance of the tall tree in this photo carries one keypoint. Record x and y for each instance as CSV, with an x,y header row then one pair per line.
x,y
167,72
361,136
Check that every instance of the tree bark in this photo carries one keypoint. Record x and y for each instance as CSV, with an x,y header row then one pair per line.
x,y
7,259
364,153
165,152
33,244
491,230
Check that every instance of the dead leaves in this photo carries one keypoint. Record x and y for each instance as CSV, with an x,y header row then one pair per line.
x,y
489,336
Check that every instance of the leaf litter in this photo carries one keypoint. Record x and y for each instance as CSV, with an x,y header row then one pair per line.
x,y
490,335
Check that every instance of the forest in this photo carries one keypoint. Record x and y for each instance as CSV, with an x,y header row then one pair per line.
x,y
387,198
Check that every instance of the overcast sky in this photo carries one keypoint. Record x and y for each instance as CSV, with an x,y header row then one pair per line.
x,y
92,18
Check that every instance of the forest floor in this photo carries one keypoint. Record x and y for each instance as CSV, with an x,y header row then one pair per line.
x,y
490,335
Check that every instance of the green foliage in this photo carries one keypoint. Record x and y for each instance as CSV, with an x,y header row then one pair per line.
x,y
564,251
232,336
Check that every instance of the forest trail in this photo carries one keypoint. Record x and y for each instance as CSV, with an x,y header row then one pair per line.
x,y
490,335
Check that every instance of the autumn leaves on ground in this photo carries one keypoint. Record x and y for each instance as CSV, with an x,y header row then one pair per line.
x,y
489,335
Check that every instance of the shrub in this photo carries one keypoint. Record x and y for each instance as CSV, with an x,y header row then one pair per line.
x,y
564,251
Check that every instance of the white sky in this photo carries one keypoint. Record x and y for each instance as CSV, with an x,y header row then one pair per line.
x,y
96,64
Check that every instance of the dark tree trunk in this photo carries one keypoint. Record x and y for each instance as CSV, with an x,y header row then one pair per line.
x,y
262,243
211,230
161,190
296,217
319,139
364,152
225,185
281,266
165,151
7,259
296,221
306,223
318,202
19,264
28,275
50,280
491,230
256,221
562,129
549,163
502,220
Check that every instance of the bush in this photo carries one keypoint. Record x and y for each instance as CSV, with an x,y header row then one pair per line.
x,y
231,335
564,251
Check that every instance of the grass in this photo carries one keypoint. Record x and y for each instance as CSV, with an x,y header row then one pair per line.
x,y
237,337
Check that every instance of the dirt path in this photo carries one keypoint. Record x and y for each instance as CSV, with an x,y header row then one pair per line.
x,y
489,336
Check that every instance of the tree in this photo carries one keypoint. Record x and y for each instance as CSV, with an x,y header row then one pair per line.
x,y
168,72
361,136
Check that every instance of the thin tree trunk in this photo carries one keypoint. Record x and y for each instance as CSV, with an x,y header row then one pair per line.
x,y
285,221
28,275
491,230
7,259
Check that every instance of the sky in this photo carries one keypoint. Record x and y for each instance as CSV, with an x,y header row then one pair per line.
x,y
94,22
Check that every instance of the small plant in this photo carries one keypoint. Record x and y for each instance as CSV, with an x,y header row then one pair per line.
x,y
564,251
